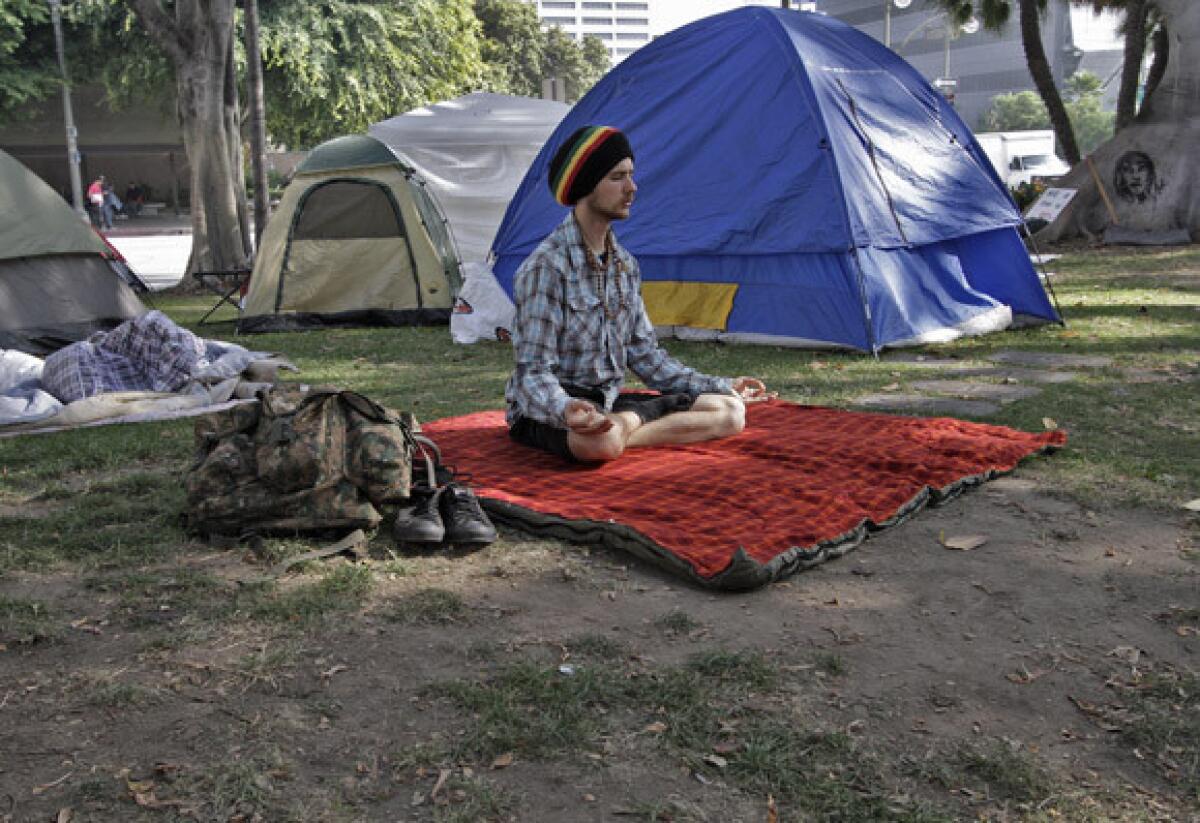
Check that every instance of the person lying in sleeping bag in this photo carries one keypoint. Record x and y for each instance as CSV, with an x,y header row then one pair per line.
x,y
580,322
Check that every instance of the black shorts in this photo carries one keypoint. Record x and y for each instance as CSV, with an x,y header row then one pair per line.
x,y
649,406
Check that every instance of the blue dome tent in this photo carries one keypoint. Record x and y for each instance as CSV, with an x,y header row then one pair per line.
x,y
799,184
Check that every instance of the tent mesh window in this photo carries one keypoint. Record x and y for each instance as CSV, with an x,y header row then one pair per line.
x,y
347,209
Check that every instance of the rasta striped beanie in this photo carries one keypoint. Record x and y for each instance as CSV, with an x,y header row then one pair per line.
x,y
583,159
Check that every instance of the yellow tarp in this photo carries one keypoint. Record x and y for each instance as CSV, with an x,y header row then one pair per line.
x,y
680,303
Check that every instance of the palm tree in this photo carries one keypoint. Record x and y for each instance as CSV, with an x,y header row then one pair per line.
x,y
1144,179
995,14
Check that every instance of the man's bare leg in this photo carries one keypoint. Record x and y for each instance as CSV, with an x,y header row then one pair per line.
x,y
712,416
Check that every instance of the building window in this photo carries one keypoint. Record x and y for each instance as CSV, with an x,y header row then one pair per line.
x,y
559,21
558,4
604,6
633,21
599,35
633,6
597,21
624,52
632,35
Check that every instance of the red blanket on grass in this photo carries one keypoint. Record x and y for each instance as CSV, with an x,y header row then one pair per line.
x,y
799,485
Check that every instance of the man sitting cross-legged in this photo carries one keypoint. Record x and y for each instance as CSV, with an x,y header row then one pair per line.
x,y
580,322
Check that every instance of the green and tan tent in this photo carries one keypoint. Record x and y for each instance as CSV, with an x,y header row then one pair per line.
x,y
356,240
59,280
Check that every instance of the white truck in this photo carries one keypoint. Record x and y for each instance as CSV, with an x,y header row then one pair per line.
x,y
1022,156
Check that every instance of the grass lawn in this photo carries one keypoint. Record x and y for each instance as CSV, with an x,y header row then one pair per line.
x,y
153,678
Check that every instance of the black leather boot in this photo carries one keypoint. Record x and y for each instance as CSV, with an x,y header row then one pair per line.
x,y
463,517
421,520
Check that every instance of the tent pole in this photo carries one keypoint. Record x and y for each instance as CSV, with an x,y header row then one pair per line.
x,y
1062,318
866,307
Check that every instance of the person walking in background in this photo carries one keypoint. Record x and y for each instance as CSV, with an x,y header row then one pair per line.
x,y
110,204
95,202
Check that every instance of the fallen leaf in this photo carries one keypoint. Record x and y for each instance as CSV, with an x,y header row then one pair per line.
x,y
1193,505
64,815
964,542
1049,423
340,667
47,786
657,727
727,747
443,776
1128,654
1025,676
503,761
1185,631
772,812
146,800
890,387
716,760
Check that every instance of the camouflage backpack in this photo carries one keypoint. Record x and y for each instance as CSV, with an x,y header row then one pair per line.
x,y
299,461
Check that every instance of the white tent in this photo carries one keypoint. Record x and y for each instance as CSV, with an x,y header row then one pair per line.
x,y
472,153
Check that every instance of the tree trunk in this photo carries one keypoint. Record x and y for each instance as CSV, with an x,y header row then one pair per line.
x,y
1158,67
258,123
1148,169
1043,80
1131,69
199,42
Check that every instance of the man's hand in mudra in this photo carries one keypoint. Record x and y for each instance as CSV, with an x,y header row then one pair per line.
x,y
583,417
752,390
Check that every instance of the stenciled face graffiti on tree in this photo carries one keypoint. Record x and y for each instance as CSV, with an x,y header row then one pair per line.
x,y
1135,179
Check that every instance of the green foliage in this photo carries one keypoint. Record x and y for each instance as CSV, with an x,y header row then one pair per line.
x,y
28,71
1093,125
1025,194
595,62
1015,112
578,68
109,46
519,55
335,67
330,68
1025,110
513,46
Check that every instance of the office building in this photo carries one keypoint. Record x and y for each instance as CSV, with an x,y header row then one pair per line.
x,y
622,25
980,64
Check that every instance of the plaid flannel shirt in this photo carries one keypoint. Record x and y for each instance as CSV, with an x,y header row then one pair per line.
x,y
573,327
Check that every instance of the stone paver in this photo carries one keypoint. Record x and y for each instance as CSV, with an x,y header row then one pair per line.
x,y
1051,360
1032,375
923,404
933,363
1003,392
1017,375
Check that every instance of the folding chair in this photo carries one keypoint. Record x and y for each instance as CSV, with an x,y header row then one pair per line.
x,y
224,284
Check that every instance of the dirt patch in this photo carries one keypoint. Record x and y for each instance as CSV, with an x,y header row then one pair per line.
x,y
149,706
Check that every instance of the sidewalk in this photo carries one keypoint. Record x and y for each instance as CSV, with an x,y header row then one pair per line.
x,y
165,222
157,248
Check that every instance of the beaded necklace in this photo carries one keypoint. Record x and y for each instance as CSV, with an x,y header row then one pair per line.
x,y
599,272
